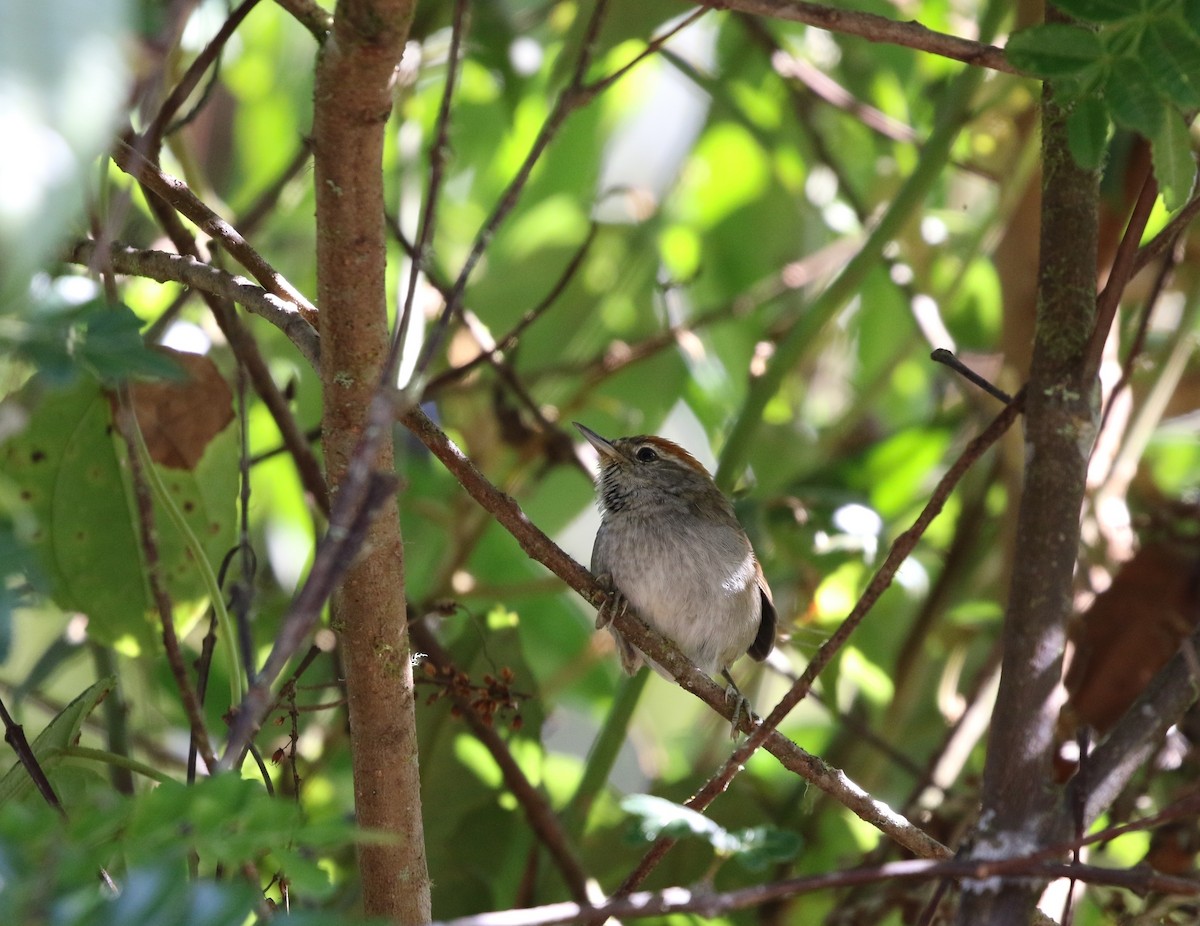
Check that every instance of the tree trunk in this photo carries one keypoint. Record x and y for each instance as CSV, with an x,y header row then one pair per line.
x,y
352,104
1022,808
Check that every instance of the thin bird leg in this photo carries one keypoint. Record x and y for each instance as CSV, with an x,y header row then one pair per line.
x,y
741,704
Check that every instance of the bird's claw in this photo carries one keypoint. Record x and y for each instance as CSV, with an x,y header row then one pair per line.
x,y
741,705
613,603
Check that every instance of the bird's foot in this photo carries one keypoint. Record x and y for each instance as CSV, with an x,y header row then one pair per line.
x,y
741,705
613,603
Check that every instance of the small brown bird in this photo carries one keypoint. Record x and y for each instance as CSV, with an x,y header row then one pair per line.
x,y
671,545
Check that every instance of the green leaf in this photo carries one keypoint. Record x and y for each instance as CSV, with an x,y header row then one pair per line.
x,y
60,733
68,468
1088,128
1054,50
756,847
110,345
1098,10
763,846
1132,101
656,816
1174,62
1174,163
1191,15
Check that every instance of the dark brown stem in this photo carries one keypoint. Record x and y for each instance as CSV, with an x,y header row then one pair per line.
x,y
14,735
1020,805
1120,274
357,507
153,135
566,103
538,812
437,165
509,340
126,425
1170,233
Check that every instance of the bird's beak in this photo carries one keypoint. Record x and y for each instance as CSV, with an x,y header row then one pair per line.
x,y
603,447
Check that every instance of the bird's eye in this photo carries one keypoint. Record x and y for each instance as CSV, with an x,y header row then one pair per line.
x,y
646,455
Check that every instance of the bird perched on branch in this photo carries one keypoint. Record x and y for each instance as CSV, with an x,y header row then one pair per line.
x,y
671,546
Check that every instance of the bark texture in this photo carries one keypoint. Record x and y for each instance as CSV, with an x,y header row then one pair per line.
x,y
352,103
1022,809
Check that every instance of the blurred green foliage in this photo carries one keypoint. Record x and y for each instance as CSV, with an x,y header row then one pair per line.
x,y
727,191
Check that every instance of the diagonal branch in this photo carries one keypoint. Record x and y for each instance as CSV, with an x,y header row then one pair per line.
x,y
541,548
190,271
175,193
875,28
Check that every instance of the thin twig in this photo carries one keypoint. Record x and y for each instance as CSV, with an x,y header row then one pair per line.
x,y
541,548
358,502
154,133
1168,236
190,271
875,28
437,167
176,194
1169,262
507,342
571,97
127,427
711,905
311,15
542,819
14,735
943,356
1119,276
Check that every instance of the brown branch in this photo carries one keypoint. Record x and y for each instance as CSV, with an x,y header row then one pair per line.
x,y
14,735
437,165
220,289
1170,233
311,15
710,905
355,511
126,425
192,272
1020,805
538,812
506,343
245,348
570,99
1121,273
352,102
1137,735
875,29
541,548
153,136
175,193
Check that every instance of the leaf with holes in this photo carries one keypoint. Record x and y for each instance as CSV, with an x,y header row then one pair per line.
x,y
70,471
